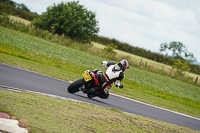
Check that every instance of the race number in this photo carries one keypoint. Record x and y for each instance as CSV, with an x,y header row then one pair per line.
x,y
87,76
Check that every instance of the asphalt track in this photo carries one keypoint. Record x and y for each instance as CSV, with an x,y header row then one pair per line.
x,y
14,77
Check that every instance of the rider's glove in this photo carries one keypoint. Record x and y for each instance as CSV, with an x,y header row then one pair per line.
x,y
118,83
104,63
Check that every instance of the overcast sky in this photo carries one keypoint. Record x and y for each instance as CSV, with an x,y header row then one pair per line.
x,y
142,23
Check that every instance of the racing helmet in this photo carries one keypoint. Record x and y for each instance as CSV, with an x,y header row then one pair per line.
x,y
124,65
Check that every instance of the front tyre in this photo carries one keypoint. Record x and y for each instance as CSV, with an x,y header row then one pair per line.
x,y
74,87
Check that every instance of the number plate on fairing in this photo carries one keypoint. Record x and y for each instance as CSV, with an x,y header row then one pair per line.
x,y
87,77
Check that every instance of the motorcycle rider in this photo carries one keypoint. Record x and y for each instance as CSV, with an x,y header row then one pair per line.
x,y
114,73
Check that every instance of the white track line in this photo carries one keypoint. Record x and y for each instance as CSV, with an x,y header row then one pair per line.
x,y
45,94
51,95
156,107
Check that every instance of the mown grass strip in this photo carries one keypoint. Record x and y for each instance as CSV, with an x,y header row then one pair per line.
x,y
66,63
46,114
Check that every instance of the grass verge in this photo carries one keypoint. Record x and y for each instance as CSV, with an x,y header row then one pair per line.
x,y
47,114
66,63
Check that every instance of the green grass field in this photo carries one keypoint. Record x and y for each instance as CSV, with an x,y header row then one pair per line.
x,y
45,114
68,64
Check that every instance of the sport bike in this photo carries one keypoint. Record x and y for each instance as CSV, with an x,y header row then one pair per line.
x,y
88,84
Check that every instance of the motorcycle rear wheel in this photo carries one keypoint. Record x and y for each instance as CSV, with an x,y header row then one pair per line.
x,y
74,87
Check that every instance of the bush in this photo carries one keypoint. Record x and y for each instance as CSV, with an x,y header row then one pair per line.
x,y
70,19
180,66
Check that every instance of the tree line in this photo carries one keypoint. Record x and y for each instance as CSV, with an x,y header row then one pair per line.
x,y
9,7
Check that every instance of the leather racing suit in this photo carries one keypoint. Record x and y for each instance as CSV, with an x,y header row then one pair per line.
x,y
112,74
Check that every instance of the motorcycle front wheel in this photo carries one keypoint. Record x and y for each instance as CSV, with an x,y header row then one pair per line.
x,y
74,87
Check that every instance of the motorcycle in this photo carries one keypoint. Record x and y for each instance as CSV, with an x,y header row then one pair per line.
x,y
88,84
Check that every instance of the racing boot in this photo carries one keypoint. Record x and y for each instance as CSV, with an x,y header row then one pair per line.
x,y
99,94
93,93
90,95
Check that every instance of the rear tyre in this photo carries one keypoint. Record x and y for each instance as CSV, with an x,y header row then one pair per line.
x,y
74,87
